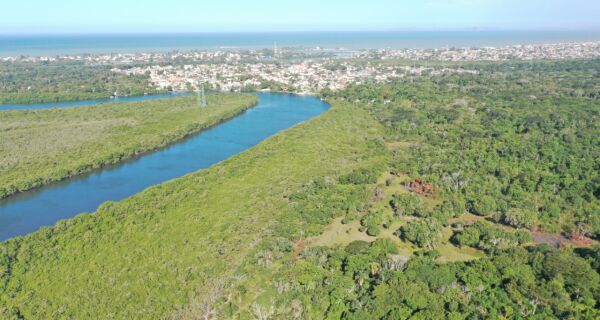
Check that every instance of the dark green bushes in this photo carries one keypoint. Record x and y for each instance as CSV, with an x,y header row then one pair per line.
x,y
372,222
29,82
422,232
489,237
408,204
369,281
362,176
522,152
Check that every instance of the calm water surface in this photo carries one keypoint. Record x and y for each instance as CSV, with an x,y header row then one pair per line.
x,y
15,45
27,212
88,102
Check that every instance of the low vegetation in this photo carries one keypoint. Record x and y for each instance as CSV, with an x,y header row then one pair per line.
x,y
41,146
488,236
174,249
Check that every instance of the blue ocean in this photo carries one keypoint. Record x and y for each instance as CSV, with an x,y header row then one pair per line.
x,y
36,45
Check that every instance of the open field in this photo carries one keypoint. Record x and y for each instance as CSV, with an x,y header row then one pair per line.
x,y
41,146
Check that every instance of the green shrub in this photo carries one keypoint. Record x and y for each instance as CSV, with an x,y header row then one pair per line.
x,y
421,232
362,176
482,206
520,218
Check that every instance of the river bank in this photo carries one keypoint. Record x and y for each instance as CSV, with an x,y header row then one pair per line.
x,y
26,212
44,146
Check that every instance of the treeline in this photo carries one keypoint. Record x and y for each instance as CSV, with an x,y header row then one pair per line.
x,y
23,83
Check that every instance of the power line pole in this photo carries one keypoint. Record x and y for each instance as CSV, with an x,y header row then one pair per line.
x,y
201,97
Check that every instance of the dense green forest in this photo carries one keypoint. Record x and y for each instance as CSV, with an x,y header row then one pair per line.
x,y
421,199
517,144
28,82
41,146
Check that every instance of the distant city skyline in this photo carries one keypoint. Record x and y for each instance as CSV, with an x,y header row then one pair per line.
x,y
128,16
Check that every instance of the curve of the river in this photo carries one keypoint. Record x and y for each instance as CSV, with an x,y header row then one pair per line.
x,y
89,102
27,212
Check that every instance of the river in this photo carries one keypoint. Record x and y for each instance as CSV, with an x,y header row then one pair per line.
x,y
27,212
89,102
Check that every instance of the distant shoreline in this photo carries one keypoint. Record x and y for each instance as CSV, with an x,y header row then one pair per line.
x,y
50,45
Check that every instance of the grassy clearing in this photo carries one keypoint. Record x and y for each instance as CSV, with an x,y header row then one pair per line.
x,y
337,234
41,146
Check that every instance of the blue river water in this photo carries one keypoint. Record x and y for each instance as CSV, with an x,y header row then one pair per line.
x,y
88,102
26,212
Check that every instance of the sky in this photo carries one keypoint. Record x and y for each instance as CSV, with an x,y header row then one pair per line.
x,y
152,16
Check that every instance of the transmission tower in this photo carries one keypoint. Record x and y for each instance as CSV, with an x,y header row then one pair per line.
x,y
201,97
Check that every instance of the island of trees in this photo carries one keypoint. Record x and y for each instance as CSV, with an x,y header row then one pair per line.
x,y
41,146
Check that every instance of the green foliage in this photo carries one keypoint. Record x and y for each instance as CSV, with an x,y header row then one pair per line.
x,y
321,200
186,243
512,140
592,255
449,208
483,206
365,282
422,232
350,216
489,237
41,146
356,247
520,217
362,176
38,82
408,204
372,221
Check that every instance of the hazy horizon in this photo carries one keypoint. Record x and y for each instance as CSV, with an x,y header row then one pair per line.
x,y
399,30
56,44
127,16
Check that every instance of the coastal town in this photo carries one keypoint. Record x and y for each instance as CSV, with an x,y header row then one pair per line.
x,y
278,71
558,51
555,51
306,70
302,78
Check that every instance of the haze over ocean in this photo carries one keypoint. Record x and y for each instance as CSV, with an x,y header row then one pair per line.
x,y
16,45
